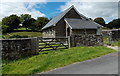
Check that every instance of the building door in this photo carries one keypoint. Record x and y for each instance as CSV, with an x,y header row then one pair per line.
x,y
68,31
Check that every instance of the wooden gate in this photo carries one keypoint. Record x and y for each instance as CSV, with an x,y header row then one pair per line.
x,y
46,44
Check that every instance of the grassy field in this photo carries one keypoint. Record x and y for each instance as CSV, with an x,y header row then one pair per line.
x,y
48,60
22,28
29,34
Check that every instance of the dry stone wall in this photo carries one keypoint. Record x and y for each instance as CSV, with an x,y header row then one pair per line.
x,y
17,48
86,40
114,34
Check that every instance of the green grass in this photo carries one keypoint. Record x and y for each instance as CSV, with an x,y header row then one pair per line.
x,y
30,34
116,43
22,28
48,60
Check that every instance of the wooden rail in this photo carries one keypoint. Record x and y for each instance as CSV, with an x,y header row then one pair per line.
x,y
46,44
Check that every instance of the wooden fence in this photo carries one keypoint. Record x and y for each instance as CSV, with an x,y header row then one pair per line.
x,y
53,43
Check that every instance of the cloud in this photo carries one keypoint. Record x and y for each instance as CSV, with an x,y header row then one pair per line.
x,y
23,0
8,8
107,10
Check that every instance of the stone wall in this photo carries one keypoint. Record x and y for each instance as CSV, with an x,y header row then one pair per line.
x,y
114,34
48,33
106,32
17,48
86,40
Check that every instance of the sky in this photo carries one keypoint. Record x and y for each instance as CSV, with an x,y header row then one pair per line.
x,y
42,8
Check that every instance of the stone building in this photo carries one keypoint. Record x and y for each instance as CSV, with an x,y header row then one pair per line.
x,y
70,22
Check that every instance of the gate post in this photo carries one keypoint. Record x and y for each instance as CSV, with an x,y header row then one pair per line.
x,y
68,41
35,44
72,41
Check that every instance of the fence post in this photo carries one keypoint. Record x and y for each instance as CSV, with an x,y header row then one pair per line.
x,y
110,38
68,41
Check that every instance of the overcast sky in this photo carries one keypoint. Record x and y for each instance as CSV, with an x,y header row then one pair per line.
x,y
108,10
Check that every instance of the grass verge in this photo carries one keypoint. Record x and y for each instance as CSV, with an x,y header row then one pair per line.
x,y
48,60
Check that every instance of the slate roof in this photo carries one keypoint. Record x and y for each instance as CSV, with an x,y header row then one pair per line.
x,y
81,24
57,18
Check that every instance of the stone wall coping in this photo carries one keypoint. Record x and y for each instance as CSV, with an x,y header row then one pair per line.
x,y
18,39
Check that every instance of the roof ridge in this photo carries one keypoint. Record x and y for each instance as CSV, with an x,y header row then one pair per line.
x,y
64,12
55,19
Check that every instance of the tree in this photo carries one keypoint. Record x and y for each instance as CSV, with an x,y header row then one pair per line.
x,y
114,24
25,20
100,21
11,21
32,24
5,28
41,22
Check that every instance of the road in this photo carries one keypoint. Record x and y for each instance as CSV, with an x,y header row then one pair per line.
x,y
107,64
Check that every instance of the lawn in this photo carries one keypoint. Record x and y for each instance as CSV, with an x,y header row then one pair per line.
x,y
29,34
48,60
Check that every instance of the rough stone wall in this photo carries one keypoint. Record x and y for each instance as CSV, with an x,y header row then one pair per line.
x,y
86,40
17,48
48,33
106,32
114,34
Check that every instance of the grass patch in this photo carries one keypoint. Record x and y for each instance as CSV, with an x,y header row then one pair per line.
x,y
48,60
22,28
29,34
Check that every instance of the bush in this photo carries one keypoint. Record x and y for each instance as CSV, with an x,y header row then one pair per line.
x,y
18,36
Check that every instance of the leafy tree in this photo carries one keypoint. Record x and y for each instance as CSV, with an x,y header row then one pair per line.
x,y
32,24
5,28
114,24
25,20
0,26
41,22
100,21
11,22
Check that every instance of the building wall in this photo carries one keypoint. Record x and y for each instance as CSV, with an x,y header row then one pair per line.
x,y
86,40
48,33
91,31
60,30
61,25
82,31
